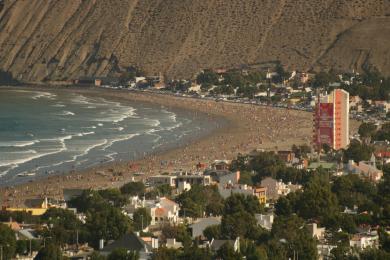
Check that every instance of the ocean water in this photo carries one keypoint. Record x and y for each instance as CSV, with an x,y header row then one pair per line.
x,y
44,133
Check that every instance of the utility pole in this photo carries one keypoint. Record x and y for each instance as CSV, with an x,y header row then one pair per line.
x,y
142,222
317,125
77,239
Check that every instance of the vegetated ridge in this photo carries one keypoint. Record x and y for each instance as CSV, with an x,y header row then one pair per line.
x,y
57,39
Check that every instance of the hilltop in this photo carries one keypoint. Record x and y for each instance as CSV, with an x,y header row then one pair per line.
x,y
57,40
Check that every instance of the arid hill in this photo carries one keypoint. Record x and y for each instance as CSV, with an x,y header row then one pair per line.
x,y
62,39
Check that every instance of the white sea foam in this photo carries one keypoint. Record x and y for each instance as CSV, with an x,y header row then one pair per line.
x,y
41,94
58,105
82,100
89,148
120,138
15,163
66,113
23,152
85,133
152,122
116,116
169,128
18,143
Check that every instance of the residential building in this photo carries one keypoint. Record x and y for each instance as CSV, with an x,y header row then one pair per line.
x,y
362,241
130,242
261,194
223,177
324,251
162,179
366,169
228,189
164,211
265,220
275,188
331,120
221,165
38,207
315,231
194,179
201,224
172,243
286,156
183,186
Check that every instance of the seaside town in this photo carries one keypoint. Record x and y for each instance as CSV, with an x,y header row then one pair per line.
x,y
327,199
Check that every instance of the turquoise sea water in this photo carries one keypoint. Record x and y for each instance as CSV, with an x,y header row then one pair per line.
x,y
44,133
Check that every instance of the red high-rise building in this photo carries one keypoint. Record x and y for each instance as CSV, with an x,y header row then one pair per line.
x,y
331,120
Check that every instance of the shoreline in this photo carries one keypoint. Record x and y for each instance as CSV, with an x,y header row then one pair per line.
x,y
246,127
198,119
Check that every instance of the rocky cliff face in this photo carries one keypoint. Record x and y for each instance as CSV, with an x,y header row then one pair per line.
x,y
61,39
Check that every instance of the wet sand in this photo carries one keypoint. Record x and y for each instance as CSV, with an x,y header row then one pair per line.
x,y
245,127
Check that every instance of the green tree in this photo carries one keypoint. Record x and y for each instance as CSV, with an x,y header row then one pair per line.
x,y
322,79
293,235
199,200
240,203
123,254
114,196
317,200
23,246
383,133
374,254
7,241
238,217
50,252
226,252
213,231
285,206
180,232
249,249
239,224
351,190
326,148
108,224
367,131
234,78
63,226
96,256
207,77
141,219
133,188
163,253
246,178
195,253
358,152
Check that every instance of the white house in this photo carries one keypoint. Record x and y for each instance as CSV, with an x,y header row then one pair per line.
x,y
165,210
315,231
362,241
265,220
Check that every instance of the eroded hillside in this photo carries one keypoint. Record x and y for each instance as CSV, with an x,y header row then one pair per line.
x,y
61,39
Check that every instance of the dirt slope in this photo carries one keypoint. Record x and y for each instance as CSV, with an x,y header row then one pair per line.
x,y
60,39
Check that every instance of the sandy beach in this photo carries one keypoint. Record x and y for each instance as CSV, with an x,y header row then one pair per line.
x,y
245,127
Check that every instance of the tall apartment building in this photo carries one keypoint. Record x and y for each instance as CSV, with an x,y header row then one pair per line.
x,y
331,120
